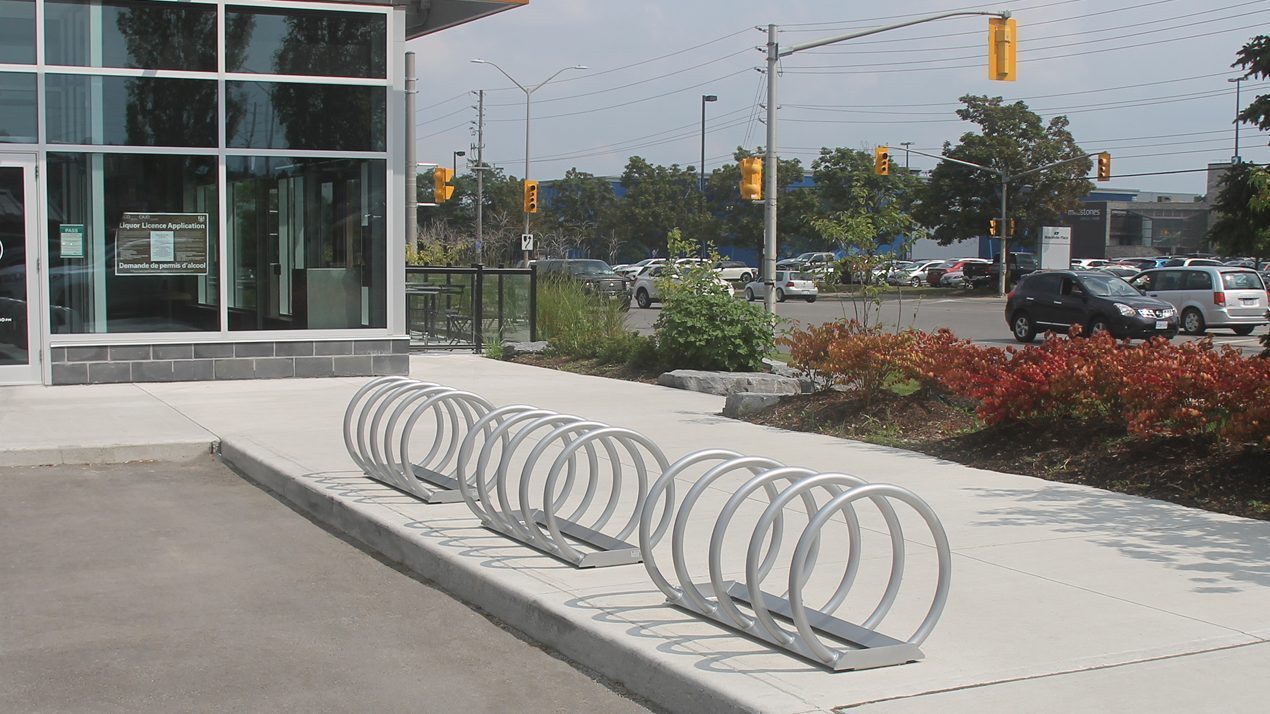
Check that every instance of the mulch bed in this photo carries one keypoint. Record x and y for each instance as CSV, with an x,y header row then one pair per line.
x,y
1191,472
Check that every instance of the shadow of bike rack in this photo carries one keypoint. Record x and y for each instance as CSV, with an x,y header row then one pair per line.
x,y
817,634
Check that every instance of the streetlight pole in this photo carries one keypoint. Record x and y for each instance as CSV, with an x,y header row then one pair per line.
x,y
528,93
774,55
705,98
1238,105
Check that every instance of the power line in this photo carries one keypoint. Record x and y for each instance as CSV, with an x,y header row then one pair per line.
x,y
634,101
829,26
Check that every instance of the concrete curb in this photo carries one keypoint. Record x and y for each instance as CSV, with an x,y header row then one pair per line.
x,y
538,619
109,454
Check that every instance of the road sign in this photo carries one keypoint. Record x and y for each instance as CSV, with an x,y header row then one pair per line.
x,y
526,241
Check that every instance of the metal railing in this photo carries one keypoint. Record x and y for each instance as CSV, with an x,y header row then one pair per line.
x,y
456,308
564,486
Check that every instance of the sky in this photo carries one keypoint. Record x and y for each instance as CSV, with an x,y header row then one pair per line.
x,y
1143,79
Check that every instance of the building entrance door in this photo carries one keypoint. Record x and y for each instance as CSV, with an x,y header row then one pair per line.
x,y
21,338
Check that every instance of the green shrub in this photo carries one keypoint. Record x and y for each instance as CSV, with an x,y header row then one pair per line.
x,y
583,326
712,331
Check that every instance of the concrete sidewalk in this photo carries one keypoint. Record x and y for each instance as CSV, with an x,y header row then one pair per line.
x,y
1061,594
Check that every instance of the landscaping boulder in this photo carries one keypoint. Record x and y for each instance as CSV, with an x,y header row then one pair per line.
x,y
725,383
511,349
746,403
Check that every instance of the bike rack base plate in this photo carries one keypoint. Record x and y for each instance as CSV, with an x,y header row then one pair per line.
x,y
608,551
869,649
447,488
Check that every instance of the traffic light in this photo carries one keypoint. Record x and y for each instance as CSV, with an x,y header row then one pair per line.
x,y
531,196
992,227
882,161
441,188
1104,166
752,179
1002,49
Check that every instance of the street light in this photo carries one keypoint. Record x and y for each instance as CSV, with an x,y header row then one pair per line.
x,y
457,154
704,99
1238,82
528,92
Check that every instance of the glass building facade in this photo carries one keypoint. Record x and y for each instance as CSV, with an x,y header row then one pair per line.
x,y
203,174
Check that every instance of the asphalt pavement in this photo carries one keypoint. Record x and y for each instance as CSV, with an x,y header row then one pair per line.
x,y
164,587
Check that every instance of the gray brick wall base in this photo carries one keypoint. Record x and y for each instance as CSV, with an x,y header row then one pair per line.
x,y
230,360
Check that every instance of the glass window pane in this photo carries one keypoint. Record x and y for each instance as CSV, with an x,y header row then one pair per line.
x,y
17,107
277,115
147,260
306,243
139,111
17,31
305,42
125,33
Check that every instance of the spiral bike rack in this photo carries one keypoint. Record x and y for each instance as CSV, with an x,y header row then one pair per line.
x,y
590,457
383,415
817,634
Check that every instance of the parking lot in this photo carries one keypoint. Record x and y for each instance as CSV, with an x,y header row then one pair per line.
x,y
976,316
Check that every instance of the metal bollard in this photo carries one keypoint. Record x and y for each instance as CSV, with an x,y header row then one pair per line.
x,y
576,475
818,635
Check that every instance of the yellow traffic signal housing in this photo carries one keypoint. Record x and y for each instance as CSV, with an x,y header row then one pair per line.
x,y
1104,166
1002,49
992,227
752,179
441,188
882,161
531,196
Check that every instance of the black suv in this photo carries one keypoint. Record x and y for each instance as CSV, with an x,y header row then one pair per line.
x,y
1058,299
595,276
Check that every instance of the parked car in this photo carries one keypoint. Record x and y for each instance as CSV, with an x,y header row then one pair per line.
x,y
914,275
1058,299
1186,262
645,289
1139,263
934,272
1083,263
955,274
820,266
788,284
735,270
979,275
630,271
1208,296
595,276
1120,270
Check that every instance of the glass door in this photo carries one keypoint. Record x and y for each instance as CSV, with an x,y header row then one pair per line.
x,y
20,333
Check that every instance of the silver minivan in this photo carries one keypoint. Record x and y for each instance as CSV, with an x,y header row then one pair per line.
x,y
1208,296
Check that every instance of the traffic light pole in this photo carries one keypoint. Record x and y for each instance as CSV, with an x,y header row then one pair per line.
x,y
774,54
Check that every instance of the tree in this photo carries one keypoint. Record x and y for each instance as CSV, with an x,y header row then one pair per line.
x,y
1242,226
582,206
958,201
659,199
1254,59
741,222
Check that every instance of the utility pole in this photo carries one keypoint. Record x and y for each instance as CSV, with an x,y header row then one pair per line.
x,y
1238,83
906,144
774,54
480,175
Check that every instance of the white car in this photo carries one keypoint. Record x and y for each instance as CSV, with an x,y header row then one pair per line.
x,y
630,271
788,284
735,270
1086,263
914,275
646,292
